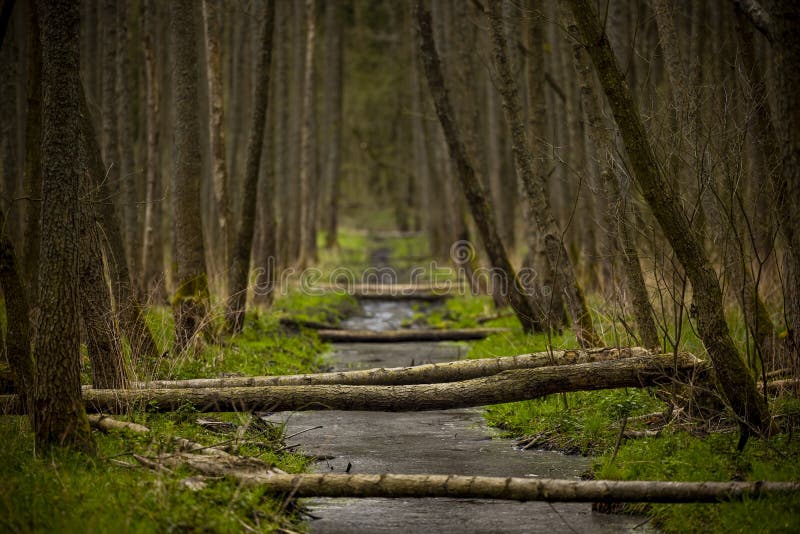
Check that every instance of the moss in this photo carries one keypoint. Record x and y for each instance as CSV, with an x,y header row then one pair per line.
x,y
195,288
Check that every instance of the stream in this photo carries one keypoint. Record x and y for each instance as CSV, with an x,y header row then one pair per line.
x,y
436,442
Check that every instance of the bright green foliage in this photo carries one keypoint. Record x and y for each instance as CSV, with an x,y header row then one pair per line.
x,y
70,492
682,457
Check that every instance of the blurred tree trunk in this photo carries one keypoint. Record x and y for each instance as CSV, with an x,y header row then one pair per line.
x,y
126,94
333,111
33,154
190,302
18,327
307,146
735,381
240,266
785,18
219,171
59,415
540,204
266,256
283,159
151,259
471,185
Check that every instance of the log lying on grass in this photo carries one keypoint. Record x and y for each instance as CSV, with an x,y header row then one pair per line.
x,y
431,373
507,386
482,487
394,336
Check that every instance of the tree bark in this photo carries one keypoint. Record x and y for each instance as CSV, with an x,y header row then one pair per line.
x,y
471,185
540,204
333,109
307,145
397,486
190,302
33,153
736,382
59,415
240,267
431,373
219,171
508,386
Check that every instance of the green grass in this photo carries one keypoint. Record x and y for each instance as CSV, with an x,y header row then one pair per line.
x,y
65,491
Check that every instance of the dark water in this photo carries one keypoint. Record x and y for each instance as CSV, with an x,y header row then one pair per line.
x,y
439,442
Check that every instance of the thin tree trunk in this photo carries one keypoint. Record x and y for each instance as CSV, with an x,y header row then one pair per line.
x,y
471,185
219,171
240,267
33,154
152,266
18,326
59,415
736,383
333,109
615,203
126,94
540,205
190,302
307,146
103,342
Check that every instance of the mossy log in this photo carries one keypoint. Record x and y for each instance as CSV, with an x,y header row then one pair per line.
x,y
421,374
482,487
394,336
507,386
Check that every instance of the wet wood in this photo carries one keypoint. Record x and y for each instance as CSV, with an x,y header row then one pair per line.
x,y
396,336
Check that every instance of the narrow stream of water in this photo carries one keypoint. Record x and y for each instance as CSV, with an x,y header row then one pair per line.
x,y
438,442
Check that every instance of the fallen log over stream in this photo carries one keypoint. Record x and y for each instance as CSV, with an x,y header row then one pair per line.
x,y
483,487
395,336
393,291
507,386
431,373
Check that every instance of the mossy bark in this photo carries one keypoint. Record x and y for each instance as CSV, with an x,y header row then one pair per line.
x,y
734,378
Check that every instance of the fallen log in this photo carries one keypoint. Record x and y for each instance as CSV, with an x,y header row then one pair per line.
x,y
507,386
392,291
296,322
395,336
421,374
107,424
483,487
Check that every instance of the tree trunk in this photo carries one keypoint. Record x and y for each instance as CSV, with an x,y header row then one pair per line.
x,y
240,267
190,302
736,383
103,341
471,185
18,327
508,386
785,17
431,373
151,260
333,109
616,204
59,415
540,204
396,486
129,174
33,154
307,145
219,171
